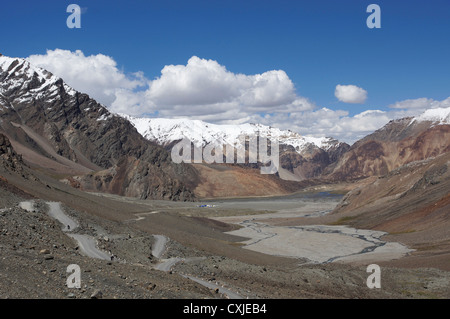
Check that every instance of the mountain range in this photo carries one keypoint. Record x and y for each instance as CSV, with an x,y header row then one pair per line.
x,y
301,157
395,180
66,133
70,136
399,142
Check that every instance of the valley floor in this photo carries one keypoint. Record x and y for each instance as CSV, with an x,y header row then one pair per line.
x,y
205,252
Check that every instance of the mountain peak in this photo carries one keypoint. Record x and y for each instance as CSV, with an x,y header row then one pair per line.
x,y
436,116
23,83
66,132
166,131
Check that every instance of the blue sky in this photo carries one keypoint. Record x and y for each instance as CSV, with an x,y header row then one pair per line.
x,y
318,44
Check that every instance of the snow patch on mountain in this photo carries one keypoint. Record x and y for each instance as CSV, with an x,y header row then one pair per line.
x,y
165,131
437,116
20,73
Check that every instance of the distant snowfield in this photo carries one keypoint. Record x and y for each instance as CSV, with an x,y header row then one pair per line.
x,y
437,116
164,131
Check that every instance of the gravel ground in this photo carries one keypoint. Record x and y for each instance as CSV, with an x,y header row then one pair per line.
x,y
318,281
35,254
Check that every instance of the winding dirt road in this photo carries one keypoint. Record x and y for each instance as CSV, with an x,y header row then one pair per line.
x,y
159,248
88,247
57,213
87,244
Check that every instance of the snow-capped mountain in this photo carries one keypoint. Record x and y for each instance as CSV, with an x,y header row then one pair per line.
x,y
65,132
437,116
399,142
166,131
44,84
304,157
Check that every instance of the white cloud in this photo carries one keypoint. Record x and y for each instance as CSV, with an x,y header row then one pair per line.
x,y
96,75
420,104
326,122
200,82
205,90
350,94
199,88
206,82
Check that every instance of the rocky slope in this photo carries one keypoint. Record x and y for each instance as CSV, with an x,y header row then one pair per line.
x,y
412,203
9,159
36,254
65,133
397,143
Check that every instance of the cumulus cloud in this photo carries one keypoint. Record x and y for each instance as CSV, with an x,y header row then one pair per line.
x,y
332,123
96,75
206,82
200,82
421,104
350,94
200,88
205,90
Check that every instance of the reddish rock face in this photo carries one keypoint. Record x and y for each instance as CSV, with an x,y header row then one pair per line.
x,y
398,143
312,162
411,202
